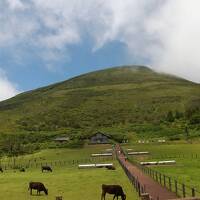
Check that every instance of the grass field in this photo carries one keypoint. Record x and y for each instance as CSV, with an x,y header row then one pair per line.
x,y
67,181
187,156
52,155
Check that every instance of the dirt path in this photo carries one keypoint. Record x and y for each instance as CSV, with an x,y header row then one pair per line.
x,y
155,190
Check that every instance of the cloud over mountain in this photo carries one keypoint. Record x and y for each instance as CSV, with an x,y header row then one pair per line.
x,y
7,88
163,33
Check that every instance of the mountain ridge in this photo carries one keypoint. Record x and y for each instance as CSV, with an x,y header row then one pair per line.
x,y
105,99
126,67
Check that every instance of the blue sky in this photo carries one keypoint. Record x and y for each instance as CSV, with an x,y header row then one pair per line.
x,y
32,73
46,41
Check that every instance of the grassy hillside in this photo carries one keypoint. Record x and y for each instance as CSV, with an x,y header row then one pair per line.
x,y
121,100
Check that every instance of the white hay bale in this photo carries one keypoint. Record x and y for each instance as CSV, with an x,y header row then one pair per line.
x,y
98,165
165,162
149,163
101,154
138,153
104,165
161,141
84,166
109,150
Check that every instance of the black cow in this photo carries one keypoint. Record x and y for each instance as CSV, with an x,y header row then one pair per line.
x,y
111,167
1,169
46,168
22,170
37,186
112,189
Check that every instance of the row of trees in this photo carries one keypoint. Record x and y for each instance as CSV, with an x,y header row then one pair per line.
x,y
191,113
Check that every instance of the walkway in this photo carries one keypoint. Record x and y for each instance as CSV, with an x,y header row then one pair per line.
x,y
152,187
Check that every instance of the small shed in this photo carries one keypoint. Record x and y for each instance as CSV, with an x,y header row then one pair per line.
x,y
99,138
61,139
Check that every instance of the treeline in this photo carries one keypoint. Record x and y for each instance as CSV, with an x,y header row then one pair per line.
x,y
191,113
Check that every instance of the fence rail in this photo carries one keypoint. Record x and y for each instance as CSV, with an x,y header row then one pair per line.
x,y
180,156
32,164
140,188
172,184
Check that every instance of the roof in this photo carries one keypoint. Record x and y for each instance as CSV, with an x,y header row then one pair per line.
x,y
100,133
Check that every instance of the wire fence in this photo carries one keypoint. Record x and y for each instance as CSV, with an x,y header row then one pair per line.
x,y
171,183
178,156
140,188
58,163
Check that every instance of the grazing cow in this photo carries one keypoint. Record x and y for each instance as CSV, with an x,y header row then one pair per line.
x,y
46,168
37,186
112,189
110,167
1,169
22,170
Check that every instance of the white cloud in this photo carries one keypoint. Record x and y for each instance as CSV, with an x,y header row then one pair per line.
x,y
16,4
7,88
164,32
177,29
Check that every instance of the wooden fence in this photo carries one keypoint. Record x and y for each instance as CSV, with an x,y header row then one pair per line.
x,y
134,181
181,189
180,156
35,164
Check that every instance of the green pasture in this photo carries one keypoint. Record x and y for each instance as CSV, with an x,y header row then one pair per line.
x,y
187,156
55,155
67,181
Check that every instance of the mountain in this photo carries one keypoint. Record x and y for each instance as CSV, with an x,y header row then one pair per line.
x,y
132,99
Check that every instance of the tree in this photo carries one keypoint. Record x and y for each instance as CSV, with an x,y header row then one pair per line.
x,y
178,114
186,132
12,145
170,117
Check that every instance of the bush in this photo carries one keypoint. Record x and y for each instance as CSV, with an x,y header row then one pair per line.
x,y
174,138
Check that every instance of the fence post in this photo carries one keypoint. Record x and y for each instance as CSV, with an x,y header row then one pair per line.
x,y
136,185
183,187
160,178
156,176
176,186
139,191
193,192
164,181
170,184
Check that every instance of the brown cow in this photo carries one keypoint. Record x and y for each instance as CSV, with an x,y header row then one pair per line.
x,y
37,186
112,189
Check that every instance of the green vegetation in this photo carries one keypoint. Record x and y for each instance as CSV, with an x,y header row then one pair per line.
x,y
67,181
187,156
125,102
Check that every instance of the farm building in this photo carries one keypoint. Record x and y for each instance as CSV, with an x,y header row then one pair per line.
x,y
99,138
61,139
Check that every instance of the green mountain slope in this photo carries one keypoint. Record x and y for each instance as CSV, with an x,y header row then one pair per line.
x,y
122,99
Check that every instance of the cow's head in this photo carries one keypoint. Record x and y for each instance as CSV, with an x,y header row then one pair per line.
x,y
124,197
46,191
